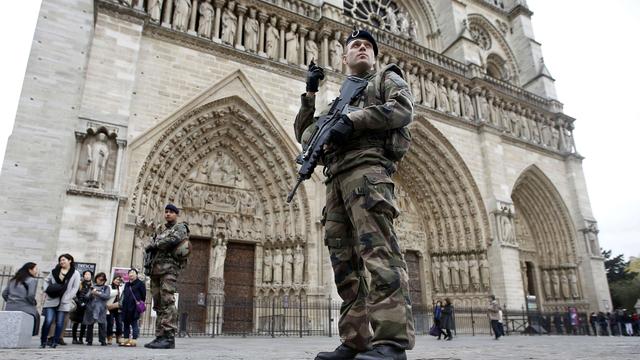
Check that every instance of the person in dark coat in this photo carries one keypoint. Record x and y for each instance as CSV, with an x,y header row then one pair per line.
x,y
96,311
134,291
437,317
77,316
447,318
20,294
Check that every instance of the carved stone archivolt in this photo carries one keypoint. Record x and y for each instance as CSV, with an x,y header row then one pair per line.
x,y
228,168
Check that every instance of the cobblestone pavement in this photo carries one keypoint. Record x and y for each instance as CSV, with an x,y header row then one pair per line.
x,y
462,347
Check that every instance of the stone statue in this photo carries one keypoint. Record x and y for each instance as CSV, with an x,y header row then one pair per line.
x,y
484,271
298,265
555,282
547,284
267,264
204,171
535,131
277,267
446,277
97,158
414,81
454,96
206,18
525,278
219,254
464,273
335,52
413,30
229,24
292,44
154,8
251,28
392,21
506,230
273,37
467,105
545,132
455,273
569,144
181,14
564,286
431,91
437,275
443,97
311,47
403,22
483,106
287,273
555,138
573,284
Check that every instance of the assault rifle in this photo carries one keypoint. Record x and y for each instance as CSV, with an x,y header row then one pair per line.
x,y
148,257
351,88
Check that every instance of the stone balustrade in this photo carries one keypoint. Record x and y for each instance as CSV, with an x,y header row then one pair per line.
x,y
294,32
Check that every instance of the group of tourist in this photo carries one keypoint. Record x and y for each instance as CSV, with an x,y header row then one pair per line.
x,y
620,322
85,300
442,320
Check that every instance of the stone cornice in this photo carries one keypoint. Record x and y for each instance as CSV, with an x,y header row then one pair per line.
x,y
88,192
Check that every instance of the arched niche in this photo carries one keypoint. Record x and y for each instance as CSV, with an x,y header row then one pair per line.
x,y
496,54
237,168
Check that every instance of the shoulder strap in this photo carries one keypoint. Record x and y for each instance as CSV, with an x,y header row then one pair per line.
x,y
377,90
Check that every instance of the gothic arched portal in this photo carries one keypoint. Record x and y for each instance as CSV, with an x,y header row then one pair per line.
x,y
546,239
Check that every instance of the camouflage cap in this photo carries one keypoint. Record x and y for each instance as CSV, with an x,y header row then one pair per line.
x,y
363,34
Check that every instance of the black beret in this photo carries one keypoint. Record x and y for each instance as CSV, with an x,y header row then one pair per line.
x,y
363,34
172,208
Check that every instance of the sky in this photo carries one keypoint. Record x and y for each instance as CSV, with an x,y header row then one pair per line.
x,y
589,46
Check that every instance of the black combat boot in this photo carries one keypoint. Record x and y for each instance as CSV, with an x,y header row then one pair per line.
x,y
165,342
342,352
387,352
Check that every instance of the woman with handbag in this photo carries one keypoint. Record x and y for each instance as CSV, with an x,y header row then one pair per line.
x,y
78,315
96,311
133,298
447,318
20,294
60,287
113,310
437,317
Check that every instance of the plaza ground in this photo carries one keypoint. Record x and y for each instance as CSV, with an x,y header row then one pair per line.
x,y
290,348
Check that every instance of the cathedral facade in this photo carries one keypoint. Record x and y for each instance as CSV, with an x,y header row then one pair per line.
x,y
129,105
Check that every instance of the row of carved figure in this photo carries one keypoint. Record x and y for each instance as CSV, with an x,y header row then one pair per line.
x,y
559,284
460,273
232,226
194,196
478,104
283,267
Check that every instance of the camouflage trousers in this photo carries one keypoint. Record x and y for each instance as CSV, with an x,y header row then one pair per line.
x,y
359,234
163,289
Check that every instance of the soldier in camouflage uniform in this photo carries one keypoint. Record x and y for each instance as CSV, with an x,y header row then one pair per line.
x,y
163,269
360,208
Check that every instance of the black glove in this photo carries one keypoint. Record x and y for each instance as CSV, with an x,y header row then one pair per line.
x,y
314,75
341,131
149,248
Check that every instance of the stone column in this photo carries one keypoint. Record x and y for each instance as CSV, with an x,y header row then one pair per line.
x,y
303,34
423,89
140,5
216,23
324,33
240,28
262,18
79,140
476,103
168,10
194,16
282,25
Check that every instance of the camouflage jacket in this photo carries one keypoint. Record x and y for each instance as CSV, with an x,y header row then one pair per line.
x,y
378,113
163,243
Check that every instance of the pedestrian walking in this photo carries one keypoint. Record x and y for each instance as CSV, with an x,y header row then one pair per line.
x,y
437,319
447,318
113,311
96,311
77,316
20,294
134,291
60,287
493,312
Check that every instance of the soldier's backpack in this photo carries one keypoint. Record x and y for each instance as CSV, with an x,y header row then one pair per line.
x,y
397,141
182,250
